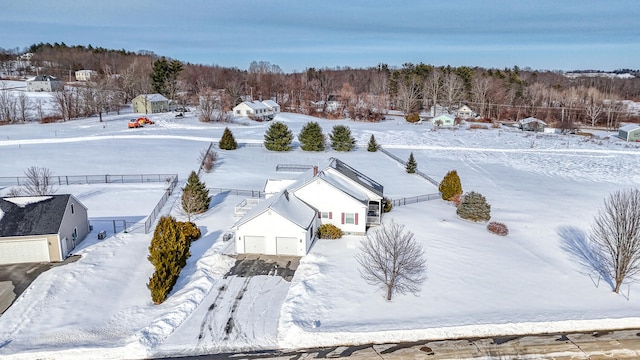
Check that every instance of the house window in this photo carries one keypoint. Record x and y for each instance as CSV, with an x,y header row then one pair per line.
x,y
349,218
74,235
238,112
73,212
325,215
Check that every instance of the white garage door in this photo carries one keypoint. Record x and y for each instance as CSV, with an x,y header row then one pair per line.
x,y
254,245
287,246
23,251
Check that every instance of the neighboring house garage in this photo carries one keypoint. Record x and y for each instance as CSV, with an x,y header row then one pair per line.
x,y
40,228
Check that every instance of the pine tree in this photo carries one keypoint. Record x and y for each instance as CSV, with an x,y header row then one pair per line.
x,y
311,137
412,165
278,137
164,78
227,142
373,145
195,196
450,185
341,139
168,253
474,207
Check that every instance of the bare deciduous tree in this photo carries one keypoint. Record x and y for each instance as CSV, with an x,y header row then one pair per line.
x,y
191,203
391,258
616,234
38,181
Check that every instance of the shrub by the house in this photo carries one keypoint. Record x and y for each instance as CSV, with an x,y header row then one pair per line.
x,y
190,230
474,207
412,165
311,137
373,145
168,253
412,118
386,205
278,137
207,159
228,142
498,228
450,185
341,138
329,231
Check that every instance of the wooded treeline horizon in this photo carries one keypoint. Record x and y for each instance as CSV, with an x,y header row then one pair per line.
x,y
361,93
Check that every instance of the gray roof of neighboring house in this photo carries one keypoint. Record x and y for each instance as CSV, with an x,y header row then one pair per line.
x,y
530,120
630,127
38,215
44,78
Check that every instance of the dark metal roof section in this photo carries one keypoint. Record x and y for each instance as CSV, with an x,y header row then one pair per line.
x,y
39,218
357,176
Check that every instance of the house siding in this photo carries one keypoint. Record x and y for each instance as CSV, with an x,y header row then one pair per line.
x,y
271,225
326,198
79,220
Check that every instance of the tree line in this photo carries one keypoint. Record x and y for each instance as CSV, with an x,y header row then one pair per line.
x,y
360,93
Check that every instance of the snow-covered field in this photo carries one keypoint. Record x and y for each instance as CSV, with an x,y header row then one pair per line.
x,y
545,187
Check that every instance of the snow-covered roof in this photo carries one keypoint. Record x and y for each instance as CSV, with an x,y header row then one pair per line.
x,y
270,103
630,127
530,120
287,205
23,201
43,78
32,215
155,97
344,186
446,116
273,186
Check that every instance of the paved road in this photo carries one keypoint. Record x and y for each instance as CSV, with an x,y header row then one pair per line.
x,y
621,344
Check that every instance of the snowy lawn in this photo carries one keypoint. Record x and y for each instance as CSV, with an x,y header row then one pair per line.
x,y
546,188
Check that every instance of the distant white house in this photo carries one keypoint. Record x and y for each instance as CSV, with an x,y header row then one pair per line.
x,y
85,75
257,110
464,112
443,120
531,124
45,83
332,193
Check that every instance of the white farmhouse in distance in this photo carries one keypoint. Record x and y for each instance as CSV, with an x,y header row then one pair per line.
x,y
257,110
85,75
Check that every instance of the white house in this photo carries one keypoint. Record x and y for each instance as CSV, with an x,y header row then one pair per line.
x,y
333,193
257,110
45,83
630,132
85,75
464,112
443,120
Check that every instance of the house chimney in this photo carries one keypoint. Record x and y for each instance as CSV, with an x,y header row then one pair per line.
x,y
315,171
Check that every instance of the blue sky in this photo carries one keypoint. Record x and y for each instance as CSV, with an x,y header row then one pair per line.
x,y
298,34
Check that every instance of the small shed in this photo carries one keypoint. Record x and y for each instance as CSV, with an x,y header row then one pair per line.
x,y
443,120
40,228
531,124
629,132
150,104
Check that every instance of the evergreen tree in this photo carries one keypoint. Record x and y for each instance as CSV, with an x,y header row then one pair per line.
x,y
341,139
373,145
195,195
168,253
474,207
227,142
450,185
278,137
164,77
311,137
412,165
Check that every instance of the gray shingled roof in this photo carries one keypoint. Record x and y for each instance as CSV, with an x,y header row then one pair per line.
x,y
39,218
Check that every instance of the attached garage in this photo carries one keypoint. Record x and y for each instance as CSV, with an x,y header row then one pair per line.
x,y
24,251
286,224
287,246
40,228
255,244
